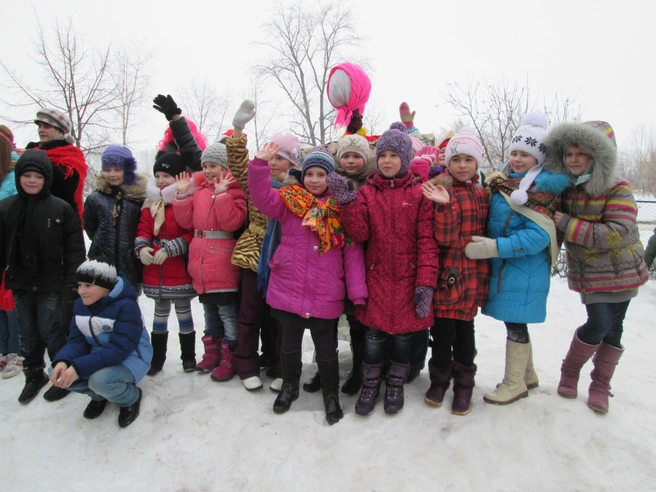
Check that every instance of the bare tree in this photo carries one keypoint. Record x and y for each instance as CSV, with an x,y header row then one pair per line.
x,y
205,105
637,163
261,124
374,118
304,43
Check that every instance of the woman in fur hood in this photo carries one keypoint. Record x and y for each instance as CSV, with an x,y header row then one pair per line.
x,y
112,212
604,252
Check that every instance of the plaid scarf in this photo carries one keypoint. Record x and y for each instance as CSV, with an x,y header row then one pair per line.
x,y
322,218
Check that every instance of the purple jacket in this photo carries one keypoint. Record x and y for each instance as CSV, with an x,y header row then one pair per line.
x,y
302,281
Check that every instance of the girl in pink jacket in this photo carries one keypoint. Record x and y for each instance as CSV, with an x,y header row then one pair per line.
x,y
214,207
311,271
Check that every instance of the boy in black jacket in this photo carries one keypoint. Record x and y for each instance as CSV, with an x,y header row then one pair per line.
x,y
41,246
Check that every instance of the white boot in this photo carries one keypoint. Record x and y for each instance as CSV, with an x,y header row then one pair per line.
x,y
530,377
513,386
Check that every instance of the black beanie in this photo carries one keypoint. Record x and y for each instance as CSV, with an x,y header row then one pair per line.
x,y
170,163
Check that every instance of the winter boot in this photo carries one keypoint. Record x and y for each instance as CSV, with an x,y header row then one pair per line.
x,y
159,342
188,351
463,386
513,387
35,379
605,361
579,353
55,394
370,392
212,355
530,376
394,396
94,409
226,369
329,370
440,378
354,379
291,376
129,414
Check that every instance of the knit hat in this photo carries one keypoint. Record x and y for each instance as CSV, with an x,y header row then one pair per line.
x,y
465,142
120,157
353,143
54,117
170,163
100,272
35,161
397,140
318,157
290,147
529,137
215,153
417,144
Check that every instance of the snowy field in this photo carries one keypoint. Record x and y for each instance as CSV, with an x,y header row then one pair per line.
x,y
194,434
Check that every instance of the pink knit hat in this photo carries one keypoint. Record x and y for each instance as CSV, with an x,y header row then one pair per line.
x,y
290,147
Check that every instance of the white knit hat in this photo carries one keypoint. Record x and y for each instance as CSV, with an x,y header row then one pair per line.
x,y
466,141
529,137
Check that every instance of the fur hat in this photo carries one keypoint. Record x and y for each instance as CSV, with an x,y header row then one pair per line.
x,y
529,137
397,140
54,117
353,143
169,163
290,147
100,272
35,161
215,153
318,157
465,142
120,157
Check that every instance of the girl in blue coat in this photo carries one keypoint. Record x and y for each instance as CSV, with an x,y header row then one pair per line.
x,y
522,245
108,350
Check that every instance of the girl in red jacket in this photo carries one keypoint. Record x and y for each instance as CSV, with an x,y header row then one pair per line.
x,y
391,213
163,245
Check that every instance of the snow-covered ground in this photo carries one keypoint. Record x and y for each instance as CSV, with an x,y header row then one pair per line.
x,y
194,434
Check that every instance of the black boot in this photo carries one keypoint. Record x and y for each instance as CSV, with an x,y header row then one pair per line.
x,y
159,341
291,376
35,379
129,414
329,370
314,384
55,394
94,409
354,380
188,349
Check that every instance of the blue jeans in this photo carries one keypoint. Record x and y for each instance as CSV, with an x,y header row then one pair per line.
x,y
40,326
228,315
213,323
377,347
113,383
9,339
605,322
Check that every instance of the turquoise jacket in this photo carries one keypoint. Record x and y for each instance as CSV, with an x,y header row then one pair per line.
x,y
8,186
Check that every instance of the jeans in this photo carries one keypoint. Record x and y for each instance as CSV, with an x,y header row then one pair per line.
x,y
213,323
228,315
40,326
9,339
377,347
605,322
113,383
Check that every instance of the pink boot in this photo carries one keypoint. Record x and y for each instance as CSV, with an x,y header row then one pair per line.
x,y
226,369
605,361
579,353
212,355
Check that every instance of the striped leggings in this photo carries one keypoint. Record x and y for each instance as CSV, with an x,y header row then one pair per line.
x,y
182,311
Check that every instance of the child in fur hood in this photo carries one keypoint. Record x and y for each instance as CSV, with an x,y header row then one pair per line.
x,y
212,204
112,212
604,252
522,245
461,206
163,246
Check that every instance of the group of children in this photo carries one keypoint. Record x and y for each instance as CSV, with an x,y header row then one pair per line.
x,y
402,239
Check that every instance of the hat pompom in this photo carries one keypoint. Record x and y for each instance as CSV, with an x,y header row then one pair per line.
x,y
398,125
519,197
535,119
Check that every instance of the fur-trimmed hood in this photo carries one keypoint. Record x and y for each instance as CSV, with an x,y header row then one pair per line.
x,y
136,191
594,143
154,194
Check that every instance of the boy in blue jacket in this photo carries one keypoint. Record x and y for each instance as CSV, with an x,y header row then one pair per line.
x,y
108,350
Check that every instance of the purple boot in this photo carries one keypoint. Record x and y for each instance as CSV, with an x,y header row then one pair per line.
x,y
579,353
605,361
463,386
440,378
394,396
370,392
212,355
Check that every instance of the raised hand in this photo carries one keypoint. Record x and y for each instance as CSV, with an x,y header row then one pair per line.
x,y
343,191
268,150
407,117
184,182
437,194
224,182
244,114
167,106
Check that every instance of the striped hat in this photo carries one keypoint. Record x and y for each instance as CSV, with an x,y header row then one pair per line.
x,y
465,142
318,157
54,117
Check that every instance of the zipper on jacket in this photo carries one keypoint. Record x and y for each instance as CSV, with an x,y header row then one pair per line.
x,y
93,335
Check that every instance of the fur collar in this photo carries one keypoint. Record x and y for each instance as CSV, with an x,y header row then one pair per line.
x,y
591,141
136,191
153,193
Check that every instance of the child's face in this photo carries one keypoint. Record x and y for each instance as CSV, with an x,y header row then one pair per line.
x,y
162,179
576,160
278,165
462,167
521,162
213,172
46,132
114,175
389,163
352,162
314,180
441,157
32,182
90,293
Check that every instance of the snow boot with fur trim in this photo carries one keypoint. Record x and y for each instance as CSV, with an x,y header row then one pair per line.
x,y
578,354
440,378
463,387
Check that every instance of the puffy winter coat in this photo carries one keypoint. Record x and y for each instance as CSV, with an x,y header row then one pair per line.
x,y
206,210
303,281
111,218
169,280
8,186
463,283
107,333
396,220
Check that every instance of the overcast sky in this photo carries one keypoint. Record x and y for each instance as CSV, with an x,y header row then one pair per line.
x,y
602,52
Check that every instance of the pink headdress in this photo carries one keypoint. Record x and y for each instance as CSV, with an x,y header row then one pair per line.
x,y
167,144
348,89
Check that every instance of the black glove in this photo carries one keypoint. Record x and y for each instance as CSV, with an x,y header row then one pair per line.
x,y
167,106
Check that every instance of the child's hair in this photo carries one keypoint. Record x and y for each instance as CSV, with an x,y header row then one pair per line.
x,y
100,272
6,148
168,144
